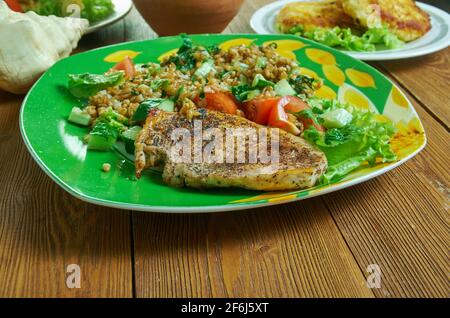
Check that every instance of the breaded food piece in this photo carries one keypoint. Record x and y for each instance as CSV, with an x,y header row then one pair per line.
x,y
312,15
403,17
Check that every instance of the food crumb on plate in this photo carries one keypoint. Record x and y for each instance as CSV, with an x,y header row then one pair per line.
x,y
106,167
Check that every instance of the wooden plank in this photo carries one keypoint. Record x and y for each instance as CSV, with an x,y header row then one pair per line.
x,y
429,83
44,229
293,250
400,220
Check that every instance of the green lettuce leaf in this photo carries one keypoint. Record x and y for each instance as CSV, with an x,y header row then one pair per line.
x,y
347,39
347,148
96,10
93,10
86,84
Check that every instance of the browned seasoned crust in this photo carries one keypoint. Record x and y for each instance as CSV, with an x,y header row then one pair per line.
x,y
300,164
312,15
403,17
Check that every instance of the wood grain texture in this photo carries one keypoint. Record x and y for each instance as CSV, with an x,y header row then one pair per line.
x,y
294,250
428,81
315,248
43,229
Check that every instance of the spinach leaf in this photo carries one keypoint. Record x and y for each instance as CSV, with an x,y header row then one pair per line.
x,y
184,59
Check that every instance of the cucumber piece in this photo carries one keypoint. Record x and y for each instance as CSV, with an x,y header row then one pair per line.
x,y
145,107
129,137
78,117
100,143
205,68
167,105
283,88
102,137
260,82
238,66
253,94
337,118
261,62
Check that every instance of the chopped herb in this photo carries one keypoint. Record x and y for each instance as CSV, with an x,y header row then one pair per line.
x,y
159,83
243,92
213,49
302,84
184,59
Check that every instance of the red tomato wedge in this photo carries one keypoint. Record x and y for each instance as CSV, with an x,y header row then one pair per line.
x,y
294,105
258,110
14,5
278,118
220,102
127,66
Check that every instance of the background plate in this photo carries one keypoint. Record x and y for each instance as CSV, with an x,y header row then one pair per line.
x,y
122,7
57,145
438,38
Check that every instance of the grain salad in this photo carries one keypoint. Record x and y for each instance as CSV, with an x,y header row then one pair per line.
x,y
234,67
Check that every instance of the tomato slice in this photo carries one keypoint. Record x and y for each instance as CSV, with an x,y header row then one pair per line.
x,y
258,110
220,102
127,66
14,5
294,105
278,118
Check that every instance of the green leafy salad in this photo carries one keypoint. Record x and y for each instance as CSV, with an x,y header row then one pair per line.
x,y
93,10
347,39
352,137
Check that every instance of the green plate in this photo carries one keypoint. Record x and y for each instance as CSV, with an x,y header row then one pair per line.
x,y
57,145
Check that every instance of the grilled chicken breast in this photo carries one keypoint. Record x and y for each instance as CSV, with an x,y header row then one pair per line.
x,y
403,17
312,15
299,164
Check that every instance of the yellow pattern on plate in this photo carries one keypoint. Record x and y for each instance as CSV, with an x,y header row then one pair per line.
x,y
308,72
356,99
166,55
235,42
334,74
286,48
408,138
119,56
264,196
359,78
382,118
283,198
398,98
325,92
320,56
286,45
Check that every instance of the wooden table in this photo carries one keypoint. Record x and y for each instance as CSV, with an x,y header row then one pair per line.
x,y
317,247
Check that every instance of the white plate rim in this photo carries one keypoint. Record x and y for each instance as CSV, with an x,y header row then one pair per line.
x,y
122,8
442,43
